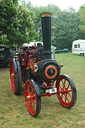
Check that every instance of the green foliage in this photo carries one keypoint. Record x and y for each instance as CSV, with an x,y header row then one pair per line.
x,y
65,25
22,23
82,18
17,23
66,29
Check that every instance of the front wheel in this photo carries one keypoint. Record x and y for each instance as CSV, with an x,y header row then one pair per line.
x,y
32,98
66,91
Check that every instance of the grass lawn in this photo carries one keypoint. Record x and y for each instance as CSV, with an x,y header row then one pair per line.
x,y
13,112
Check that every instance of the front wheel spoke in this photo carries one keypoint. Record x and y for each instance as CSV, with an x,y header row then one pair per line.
x,y
68,85
69,90
70,95
64,83
27,92
61,95
60,86
32,91
34,101
30,106
33,105
66,98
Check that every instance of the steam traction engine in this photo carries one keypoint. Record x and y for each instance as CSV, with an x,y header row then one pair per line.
x,y
39,72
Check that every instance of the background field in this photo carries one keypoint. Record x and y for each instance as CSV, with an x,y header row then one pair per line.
x,y
13,112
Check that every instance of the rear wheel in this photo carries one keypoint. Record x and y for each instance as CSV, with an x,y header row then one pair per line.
x,y
32,98
66,91
15,76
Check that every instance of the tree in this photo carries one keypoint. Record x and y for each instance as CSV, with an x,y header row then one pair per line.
x,y
64,25
37,10
16,24
66,28
82,18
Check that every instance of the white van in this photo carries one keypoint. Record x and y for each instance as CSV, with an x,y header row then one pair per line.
x,y
78,47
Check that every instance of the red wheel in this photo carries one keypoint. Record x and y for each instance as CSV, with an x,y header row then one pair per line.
x,y
32,98
15,76
66,91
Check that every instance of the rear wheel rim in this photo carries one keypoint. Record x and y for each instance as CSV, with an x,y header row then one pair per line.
x,y
65,92
12,76
30,98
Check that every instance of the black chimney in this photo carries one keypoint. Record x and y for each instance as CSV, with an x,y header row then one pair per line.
x,y
46,31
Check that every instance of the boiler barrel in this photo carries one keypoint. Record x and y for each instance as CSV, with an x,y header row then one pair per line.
x,y
46,31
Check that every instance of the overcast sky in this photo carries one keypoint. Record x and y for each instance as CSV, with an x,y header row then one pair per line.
x,y
62,4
